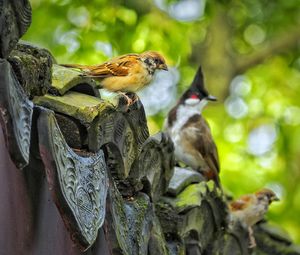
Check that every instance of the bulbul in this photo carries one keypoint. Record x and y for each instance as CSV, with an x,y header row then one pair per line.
x,y
127,73
191,135
250,209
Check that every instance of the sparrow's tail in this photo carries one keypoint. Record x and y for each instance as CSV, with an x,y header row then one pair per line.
x,y
76,66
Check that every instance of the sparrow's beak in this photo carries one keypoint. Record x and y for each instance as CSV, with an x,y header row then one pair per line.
x,y
211,98
163,67
275,198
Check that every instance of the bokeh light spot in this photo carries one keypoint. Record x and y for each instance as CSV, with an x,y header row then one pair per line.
x,y
139,45
240,86
79,16
292,115
261,139
254,34
236,107
234,133
161,92
104,47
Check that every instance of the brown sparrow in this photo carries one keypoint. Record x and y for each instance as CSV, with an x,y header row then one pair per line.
x,y
250,209
127,73
191,135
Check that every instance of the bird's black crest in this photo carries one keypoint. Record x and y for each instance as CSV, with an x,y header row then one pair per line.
x,y
197,87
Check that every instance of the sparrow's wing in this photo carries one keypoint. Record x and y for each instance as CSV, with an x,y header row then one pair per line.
x,y
119,66
241,203
204,142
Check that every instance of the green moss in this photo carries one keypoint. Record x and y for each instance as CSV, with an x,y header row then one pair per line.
x,y
190,197
80,106
211,185
63,79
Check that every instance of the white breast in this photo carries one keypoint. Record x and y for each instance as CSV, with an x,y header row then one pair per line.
x,y
253,214
183,114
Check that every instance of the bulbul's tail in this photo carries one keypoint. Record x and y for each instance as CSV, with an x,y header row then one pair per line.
x,y
212,175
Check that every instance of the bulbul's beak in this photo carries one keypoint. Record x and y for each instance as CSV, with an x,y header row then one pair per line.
x,y
211,98
163,67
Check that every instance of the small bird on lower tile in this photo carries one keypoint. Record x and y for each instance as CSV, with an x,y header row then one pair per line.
x,y
250,209
127,73
193,142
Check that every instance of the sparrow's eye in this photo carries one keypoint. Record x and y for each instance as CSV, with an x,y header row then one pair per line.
x,y
158,61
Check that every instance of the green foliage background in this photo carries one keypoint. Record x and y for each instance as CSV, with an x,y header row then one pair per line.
x,y
254,40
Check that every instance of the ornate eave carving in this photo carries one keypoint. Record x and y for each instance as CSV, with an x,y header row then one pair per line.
x,y
15,115
78,184
15,18
128,222
154,165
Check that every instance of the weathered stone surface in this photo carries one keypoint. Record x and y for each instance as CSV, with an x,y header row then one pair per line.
x,y
233,240
275,232
128,222
157,242
272,240
154,166
65,79
182,178
189,198
196,216
15,115
137,120
83,107
32,66
15,18
169,219
74,133
176,246
78,184
122,131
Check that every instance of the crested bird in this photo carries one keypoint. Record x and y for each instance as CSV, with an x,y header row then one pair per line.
x,y
126,73
250,209
191,135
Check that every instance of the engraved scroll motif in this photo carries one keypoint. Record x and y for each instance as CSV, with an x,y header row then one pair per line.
x,y
15,18
138,122
115,132
19,109
155,165
82,182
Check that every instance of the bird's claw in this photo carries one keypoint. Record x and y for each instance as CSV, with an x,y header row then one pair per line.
x,y
127,100
131,98
252,242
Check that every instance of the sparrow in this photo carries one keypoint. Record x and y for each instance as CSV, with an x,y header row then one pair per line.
x,y
191,135
126,73
250,209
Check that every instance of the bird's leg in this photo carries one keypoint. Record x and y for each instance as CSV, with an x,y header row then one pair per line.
x,y
128,99
134,97
252,242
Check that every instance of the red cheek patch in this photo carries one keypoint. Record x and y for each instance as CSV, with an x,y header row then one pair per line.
x,y
193,96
